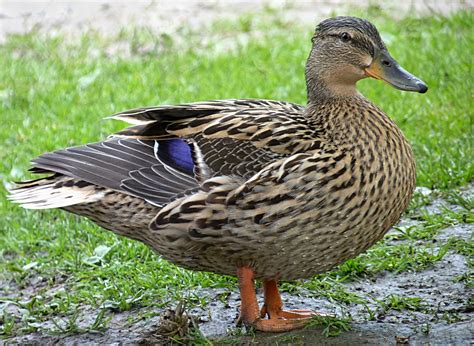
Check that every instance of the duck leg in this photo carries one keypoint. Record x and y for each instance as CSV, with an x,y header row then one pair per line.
x,y
273,306
279,320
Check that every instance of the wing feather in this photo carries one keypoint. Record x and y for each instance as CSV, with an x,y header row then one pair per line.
x,y
280,127
227,138
127,165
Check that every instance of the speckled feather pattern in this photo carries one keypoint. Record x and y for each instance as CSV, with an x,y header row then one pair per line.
x,y
302,214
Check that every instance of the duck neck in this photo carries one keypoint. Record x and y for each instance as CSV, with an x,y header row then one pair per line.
x,y
321,89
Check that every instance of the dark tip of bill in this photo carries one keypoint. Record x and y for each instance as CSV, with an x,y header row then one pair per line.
x,y
422,88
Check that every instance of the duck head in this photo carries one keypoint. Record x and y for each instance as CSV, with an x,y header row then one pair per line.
x,y
348,49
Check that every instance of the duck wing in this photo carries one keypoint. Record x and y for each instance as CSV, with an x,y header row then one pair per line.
x,y
172,150
228,137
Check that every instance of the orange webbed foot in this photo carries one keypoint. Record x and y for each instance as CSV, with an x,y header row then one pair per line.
x,y
279,320
287,314
274,325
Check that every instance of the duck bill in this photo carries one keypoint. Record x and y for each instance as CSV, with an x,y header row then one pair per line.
x,y
385,67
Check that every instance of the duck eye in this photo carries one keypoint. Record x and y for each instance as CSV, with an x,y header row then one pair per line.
x,y
345,37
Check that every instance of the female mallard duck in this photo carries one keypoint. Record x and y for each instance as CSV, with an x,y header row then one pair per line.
x,y
259,189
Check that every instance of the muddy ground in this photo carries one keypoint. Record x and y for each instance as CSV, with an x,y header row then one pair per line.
x,y
446,316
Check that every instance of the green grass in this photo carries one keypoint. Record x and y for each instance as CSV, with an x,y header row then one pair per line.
x,y
53,94
333,326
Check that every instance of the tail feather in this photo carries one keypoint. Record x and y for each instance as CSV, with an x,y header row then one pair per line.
x,y
54,192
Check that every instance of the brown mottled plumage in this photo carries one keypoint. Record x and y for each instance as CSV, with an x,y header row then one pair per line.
x,y
260,189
